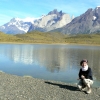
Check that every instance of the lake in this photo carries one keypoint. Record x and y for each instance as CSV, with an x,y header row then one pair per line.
x,y
49,62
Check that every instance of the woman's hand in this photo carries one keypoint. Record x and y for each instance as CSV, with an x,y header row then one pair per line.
x,y
83,77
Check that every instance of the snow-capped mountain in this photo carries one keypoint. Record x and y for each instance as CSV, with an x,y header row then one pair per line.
x,y
17,25
89,22
51,21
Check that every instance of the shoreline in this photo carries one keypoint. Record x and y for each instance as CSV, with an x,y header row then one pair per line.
x,y
14,87
50,43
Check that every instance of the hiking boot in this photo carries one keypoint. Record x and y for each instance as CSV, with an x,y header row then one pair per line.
x,y
83,89
79,87
88,91
88,88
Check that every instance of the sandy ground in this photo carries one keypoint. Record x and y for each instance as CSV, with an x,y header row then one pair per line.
x,y
14,87
50,43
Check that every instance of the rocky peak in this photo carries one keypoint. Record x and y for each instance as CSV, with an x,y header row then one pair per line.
x,y
14,19
55,12
88,22
97,12
98,7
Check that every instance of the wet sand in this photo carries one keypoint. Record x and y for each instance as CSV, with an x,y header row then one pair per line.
x,y
50,43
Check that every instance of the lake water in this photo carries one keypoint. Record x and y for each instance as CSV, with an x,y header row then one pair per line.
x,y
49,62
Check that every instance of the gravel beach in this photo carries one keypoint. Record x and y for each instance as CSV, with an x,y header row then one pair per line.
x,y
14,87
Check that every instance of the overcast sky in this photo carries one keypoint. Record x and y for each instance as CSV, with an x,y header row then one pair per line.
x,y
36,8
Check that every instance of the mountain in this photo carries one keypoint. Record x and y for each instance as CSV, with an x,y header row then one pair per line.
x,y
17,25
51,21
89,22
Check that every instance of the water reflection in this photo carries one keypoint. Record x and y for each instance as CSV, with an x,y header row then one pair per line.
x,y
54,58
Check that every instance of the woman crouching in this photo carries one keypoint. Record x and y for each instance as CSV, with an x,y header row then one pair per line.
x,y
85,76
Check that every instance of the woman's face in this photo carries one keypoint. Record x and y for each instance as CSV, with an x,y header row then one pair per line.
x,y
84,64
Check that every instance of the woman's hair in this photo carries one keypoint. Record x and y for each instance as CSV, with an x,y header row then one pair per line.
x,y
84,60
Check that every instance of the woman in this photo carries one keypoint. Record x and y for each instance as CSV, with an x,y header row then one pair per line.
x,y
85,76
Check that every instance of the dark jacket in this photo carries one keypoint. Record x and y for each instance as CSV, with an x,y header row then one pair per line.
x,y
87,74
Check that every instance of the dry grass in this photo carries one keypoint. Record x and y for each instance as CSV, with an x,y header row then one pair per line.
x,y
84,39
9,38
41,37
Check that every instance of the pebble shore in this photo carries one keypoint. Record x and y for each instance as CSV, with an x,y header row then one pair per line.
x,y
14,87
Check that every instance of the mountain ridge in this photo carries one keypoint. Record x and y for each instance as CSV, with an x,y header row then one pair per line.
x,y
57,21
52,20
87,23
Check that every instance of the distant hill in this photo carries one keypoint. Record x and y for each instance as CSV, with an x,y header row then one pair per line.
x,y
42,37
50,38
8,38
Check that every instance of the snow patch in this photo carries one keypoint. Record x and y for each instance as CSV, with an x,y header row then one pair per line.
x,y
3,27
97,7
28,19
94,17
23,29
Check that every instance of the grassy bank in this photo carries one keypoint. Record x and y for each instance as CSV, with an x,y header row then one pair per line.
x,y
84,39
51,38
9,38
